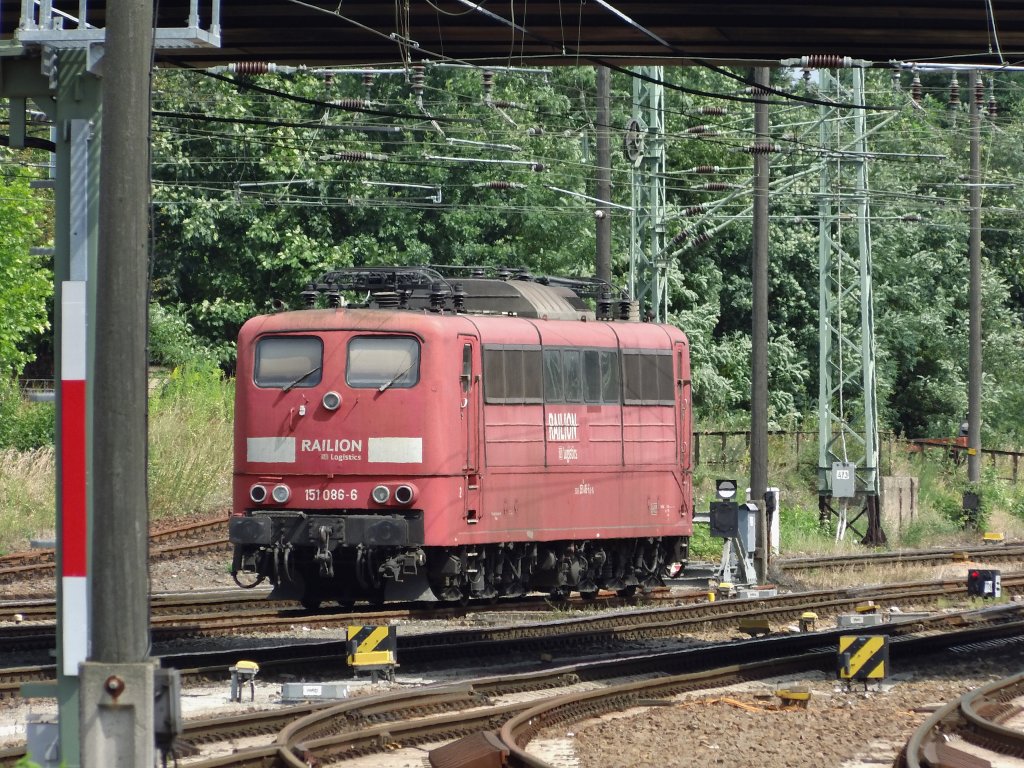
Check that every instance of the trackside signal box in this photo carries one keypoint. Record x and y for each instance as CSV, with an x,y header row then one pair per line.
x,y
983,583
863,657
373,649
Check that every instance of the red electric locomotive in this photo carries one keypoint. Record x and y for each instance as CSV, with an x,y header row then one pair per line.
x,y
453,440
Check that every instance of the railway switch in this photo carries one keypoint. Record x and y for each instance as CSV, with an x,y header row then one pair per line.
x,y
983,583
244,672
863,657
373,649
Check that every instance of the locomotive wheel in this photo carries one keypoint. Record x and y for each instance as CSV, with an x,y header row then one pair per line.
x,y
627,592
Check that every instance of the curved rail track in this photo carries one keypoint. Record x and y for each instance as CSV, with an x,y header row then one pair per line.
x,y
344,731
975,730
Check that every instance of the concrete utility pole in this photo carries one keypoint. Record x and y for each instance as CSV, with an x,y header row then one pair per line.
x,y
604,175
759,325
974,248
117,681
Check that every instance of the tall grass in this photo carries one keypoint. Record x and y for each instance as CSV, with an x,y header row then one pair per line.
x,y
27,492
190,417
190,437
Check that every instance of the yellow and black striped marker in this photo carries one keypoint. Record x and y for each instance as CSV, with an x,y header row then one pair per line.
x,y
863,657
371,646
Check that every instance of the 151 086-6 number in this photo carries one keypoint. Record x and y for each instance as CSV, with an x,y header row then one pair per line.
x,y
331,494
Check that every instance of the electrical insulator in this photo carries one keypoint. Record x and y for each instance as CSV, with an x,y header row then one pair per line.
x,y
357,156
604,305
993,108
535,131
309,295
508,104
333,296
701,130
694,210
894,77
498,185
915,88
437,294
826,61
252,68
979,94
368,80
679,238
459,297
757,90
707,169
719,111
417,79
716,186
954,93
911,217
349,103
488,80
599,214
702,237
762,149
537,167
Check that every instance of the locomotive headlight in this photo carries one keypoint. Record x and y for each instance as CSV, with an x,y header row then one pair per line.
x,y
281,493
405,495
331,401
381,494
258,493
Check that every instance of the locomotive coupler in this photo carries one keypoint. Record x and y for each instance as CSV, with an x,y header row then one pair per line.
x,y
323,555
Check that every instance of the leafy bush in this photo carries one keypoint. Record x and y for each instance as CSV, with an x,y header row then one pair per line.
x,y
24,425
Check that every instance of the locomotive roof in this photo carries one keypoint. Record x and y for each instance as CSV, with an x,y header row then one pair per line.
x,y
465,290
491,329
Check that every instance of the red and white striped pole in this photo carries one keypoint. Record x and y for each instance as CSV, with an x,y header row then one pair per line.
x,y
74,533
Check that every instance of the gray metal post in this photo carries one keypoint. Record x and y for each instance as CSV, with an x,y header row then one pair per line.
x,y
604,175
117,682
974,350
759,326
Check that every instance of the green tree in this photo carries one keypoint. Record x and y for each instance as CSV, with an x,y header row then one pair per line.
x,y
25,280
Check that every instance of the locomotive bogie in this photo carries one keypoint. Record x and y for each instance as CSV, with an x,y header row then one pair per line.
x,y
408,455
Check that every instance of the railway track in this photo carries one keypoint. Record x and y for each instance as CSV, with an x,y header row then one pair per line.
x,y
365,714
219,614
199,537
500,721
988,553
977,729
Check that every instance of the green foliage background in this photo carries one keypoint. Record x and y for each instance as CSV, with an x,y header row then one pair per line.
x,y
261,183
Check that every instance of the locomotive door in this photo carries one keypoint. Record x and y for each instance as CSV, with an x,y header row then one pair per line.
x,y
470,386
683,417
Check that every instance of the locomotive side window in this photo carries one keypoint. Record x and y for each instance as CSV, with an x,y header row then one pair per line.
x,y
647,378
288,361
573,375
382,362
553,390
513,375
610,391
592,375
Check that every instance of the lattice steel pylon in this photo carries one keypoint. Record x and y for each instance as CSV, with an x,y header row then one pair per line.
x,y
645,149
847,412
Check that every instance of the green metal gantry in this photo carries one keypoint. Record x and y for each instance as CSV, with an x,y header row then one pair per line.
x,y
645,149
848,451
